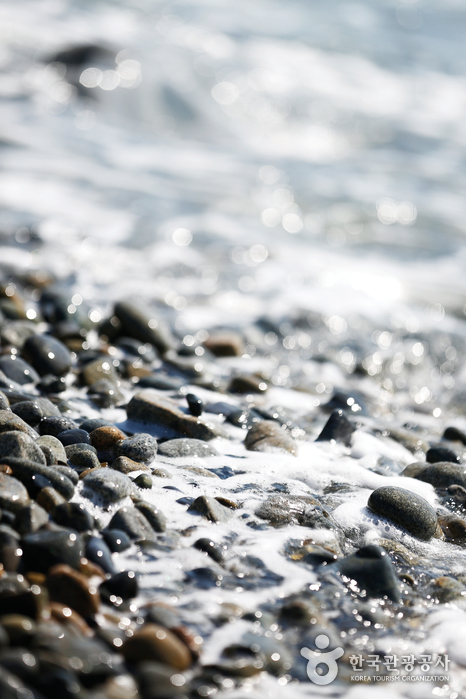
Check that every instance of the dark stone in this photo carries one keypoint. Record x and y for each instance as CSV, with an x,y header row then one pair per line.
x,y
215,551
267,435
405,509
244,418
29,411
105,393
305,510
352,402
132,522
18,369
108,484
98,369
143,481
337,429
68,472
436,454
154,516
247,384
210,509
36,476
141,324
4,404
440,475
123,585
125,465
98,552
74,436
94,423
55,425
82,456
72,589
458,495
20,445
161,382
116,540
184,447
52,384
73,515
47,355
9,422
153,642
45,549
373,572
54,444
453,434
150,407
13,494
155,681
204,578
195,404
141,447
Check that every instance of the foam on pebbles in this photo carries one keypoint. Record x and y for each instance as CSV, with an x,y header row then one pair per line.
x,y
406,509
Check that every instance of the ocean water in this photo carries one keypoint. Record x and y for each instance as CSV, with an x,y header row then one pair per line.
x,y
301,164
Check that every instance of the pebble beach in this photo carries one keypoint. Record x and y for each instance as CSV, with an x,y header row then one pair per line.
x,y
232,332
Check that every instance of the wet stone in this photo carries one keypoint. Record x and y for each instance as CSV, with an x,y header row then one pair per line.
x,y
4,404
98,552
68,472
18,369
453,528
108,484
45,549
436,454
153,642
210,509
9,422
20,445
49,498
97,369
131,521
52,384
125,465
47,355
269,436
116,539
147,406
195,404
29,411
55,425
139,323
405,509
453,434
280,510
141,447
82,456
72,589
457,495
185,446
372,570
37,476
337,429
75,436
94,423
105,393
247,384
55,446
74,516
143,481
225,344
215,551
123,585
106,437
13,494
440,475
154,516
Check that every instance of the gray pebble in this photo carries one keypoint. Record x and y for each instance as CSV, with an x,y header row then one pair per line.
x,y
269,436
186,447
47,355
109,484
141,448
17,369
132,522
47,440
440,475
20,445
210,509
405,509
13,494
154,516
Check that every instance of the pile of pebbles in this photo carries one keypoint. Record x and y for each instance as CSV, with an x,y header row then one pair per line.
x,y
77,492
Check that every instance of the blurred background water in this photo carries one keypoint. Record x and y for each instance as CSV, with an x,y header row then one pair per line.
x,y
235,158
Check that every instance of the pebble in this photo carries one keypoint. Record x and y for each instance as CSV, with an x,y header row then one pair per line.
x,y
123,585
30,518
125,465
281,510
453,434
156,643
9,422
82,456
405,509
92,424
267,435
195,404
185,446
105,393
225,344
116,540
247,384
132,522
75,436
139,323
438,453
143,481
209,508
18,369
441,474
13,494
49,498
71,588
55,425
215,551
372,570
20,445
44,549
106,437
337,429
147,406
141,447
98,552
108,484
154,516
453,528
35,476
54,444
47,355
74,516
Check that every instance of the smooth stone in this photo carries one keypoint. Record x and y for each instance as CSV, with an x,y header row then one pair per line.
x,y
453,434
13,494
30,518
372,570
116,539
150,407
125,465
269,436
92,424
29,411
337,429
158,680
30,474
44,549
17,369
351,401
154,642
47,355
184,446
209,508
108,484
143,481
49,498
280,510
123,585
52,384
458,495
47,440
20,445
49,456
9,422
436,454
154,516
195,405
4,404
225,344
75,516
68,472
132,522
71,588
106,437
98,552
141,447
105,393
440,475
453,528
55,425
82,456
141,324
97,369
405,509
247,384
215,551
75,436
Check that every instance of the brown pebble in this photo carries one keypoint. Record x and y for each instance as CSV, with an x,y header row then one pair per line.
x,y
72,589
90,569
227,503
192,642
7,470
225,344
83,474
126,465
49,498
155,643
454,528
106,437
69,617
